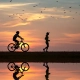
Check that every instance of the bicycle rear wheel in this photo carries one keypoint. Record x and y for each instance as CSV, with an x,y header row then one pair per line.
x,y
24,47
25,66
11,66
11,47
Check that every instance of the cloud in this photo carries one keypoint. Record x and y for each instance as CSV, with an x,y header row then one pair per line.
x,y
21,21
34,17
68,38
60,16
74,38
72,35
53,9
54,12
14,5
72,78
18,20
15,24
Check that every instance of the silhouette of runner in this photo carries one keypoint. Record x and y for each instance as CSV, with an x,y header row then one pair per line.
x,y
47,42
15,39
16,73
47,71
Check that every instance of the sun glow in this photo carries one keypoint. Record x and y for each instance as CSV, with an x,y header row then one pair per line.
x,y
30,40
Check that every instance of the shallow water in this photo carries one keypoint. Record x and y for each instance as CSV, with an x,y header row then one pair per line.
x,y
59,71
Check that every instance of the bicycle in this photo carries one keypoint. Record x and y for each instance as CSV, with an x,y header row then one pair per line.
x,y
24,46
24,66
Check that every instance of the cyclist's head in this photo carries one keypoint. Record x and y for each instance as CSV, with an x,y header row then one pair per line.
x,y
17,32
16,66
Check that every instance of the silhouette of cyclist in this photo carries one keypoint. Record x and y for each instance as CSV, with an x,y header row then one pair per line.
x,y
47,71
47,42
15,39
16,73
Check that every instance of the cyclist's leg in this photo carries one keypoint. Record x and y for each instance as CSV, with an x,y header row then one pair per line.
x,y
16,79
16,43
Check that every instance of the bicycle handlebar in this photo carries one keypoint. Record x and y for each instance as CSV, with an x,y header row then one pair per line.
x,y
21,40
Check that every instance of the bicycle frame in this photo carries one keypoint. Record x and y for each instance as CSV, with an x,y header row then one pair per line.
x,y
21,42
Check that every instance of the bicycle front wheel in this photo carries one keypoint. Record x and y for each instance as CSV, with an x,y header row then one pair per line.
x,y
11,47
24,47
11,66
25,66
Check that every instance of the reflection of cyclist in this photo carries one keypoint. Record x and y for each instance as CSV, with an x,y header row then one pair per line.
x,y
16,73
47,41
47,71
15,38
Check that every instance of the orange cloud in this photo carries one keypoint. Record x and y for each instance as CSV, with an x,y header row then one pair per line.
x,y
72,78
72,35
34,17
21,21
15,23
68,38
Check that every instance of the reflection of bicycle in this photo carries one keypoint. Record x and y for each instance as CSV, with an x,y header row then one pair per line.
x,y
24,46
24,66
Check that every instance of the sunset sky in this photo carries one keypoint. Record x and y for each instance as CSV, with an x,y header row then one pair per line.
x,y
33,18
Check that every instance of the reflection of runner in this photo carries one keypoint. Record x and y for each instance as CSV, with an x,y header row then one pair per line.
x,y
47,71
47,42
16,73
